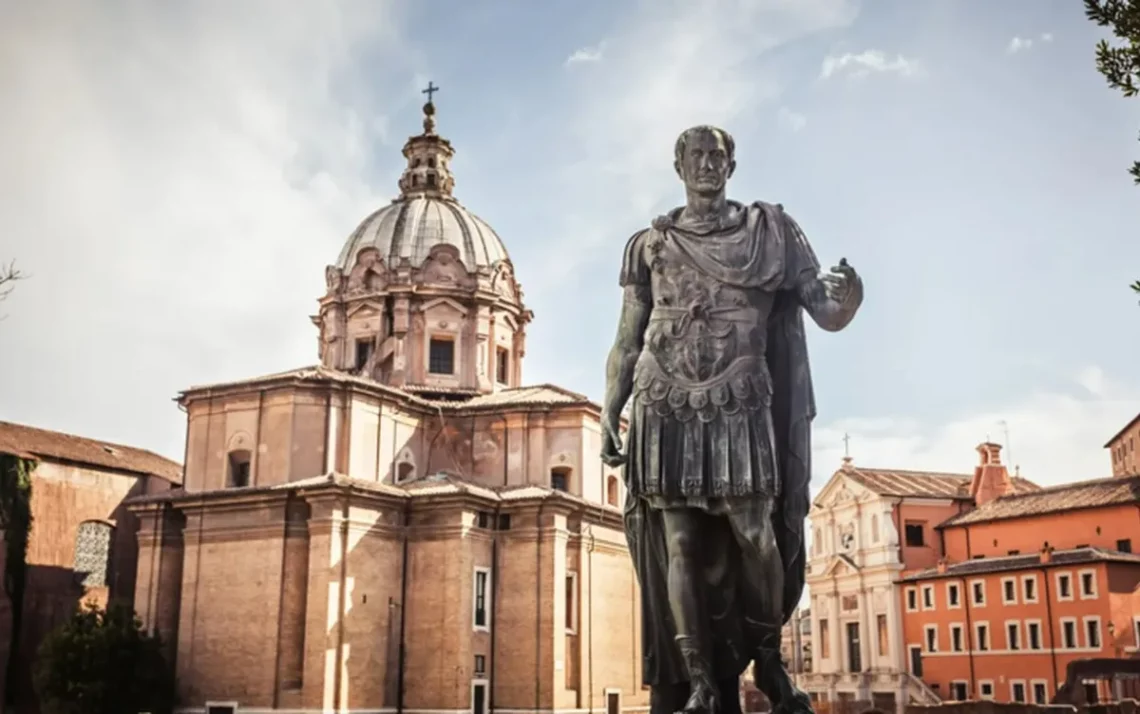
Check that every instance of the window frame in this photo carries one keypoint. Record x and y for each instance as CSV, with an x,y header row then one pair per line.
x,y
1030,625
1009,585
1013,683
983,683
955,587
1095,587
979,627
965,685
1076,633
973,590
1025,581
1064,576
1033,684
442,338
911,603
930,644
1013,644
570,588
921,525
486,597
1092,620
933,604
960,646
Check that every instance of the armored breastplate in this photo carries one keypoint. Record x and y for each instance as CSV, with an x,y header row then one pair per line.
x,y
705,342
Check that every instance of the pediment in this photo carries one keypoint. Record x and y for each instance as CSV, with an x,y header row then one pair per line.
x,y
841,490
446,304
365,309
840,565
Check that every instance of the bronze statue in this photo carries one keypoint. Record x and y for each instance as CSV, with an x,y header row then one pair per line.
x,y
712,351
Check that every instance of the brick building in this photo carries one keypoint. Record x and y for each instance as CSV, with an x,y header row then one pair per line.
x,y
869,525
404,527
1026,583
1122,447
82,542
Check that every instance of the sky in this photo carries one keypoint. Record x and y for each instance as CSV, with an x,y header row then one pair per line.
x,y
176,176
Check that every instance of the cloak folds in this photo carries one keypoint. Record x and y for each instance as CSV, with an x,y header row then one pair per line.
x,y
792,411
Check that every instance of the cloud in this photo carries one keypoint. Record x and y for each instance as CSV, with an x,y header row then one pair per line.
x,y
585,55
1053,436
790,120
175,182
1021,44
866,63
671,65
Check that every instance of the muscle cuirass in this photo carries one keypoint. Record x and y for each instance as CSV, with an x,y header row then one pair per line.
x,y
704,345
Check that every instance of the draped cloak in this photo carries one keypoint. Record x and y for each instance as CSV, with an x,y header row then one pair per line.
x,y
780,259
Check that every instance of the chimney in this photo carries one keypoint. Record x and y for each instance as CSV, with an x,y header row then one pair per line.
x,y
991,479
1046,554
943,564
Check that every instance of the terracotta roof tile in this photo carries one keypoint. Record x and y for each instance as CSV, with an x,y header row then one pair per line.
x,y
921,484
978,566
45,444
1082,494
538,394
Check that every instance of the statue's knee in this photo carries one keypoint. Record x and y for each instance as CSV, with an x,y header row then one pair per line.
x,y
683,544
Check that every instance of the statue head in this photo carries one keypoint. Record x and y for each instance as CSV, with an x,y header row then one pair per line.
x,y
704,157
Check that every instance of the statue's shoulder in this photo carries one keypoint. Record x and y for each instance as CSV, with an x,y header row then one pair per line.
x,y
772,209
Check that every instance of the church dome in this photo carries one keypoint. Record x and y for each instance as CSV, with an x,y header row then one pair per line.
x,y
413,225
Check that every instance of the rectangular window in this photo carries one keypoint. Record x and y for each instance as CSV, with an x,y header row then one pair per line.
x,y
1040,692
571,603
982,636
1033,635
1064,586
560,479
1136,630
481,616
956,638
480,664
927,597
986,689
911,599
931,638
1124,545
978,593
915,660
959,691
1029,588
1069,633
915,533
952,595
441,356
1013,635
1008,591
884,635
1017,691
824,640
363,351
1088,584
501,374
1092,633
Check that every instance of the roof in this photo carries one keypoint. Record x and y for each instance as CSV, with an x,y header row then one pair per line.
x,y
21,439
979,566
1082,494
410,227
921,484
538,395
1120,433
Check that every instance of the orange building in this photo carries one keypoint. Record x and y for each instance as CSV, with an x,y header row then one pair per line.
x,y
1122,446
1027,583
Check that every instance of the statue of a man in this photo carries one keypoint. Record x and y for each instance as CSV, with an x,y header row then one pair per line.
x,y
711,348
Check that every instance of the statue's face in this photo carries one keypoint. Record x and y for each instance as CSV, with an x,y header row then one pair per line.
x,y
705,166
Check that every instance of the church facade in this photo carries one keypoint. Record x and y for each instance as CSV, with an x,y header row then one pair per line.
x,y
403,527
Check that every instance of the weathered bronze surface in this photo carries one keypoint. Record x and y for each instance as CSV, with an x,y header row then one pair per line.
x,y
711,357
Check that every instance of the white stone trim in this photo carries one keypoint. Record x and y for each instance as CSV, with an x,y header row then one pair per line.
x,y
973,589
961,630
1085,622
1024,690
486,685
489,587
928,590
1076,634
1013,644
1092,595
929,645
978,626
1009,585
1029,624
953,586
1033,693
985,683
1057,578
572,605
1025,580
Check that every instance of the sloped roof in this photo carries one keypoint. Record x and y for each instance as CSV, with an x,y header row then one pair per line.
x,y
1082,494
46,444
979,566
1123,429
537,394
921,484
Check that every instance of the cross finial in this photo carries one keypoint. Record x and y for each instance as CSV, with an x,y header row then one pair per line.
x,y
846,445
431,89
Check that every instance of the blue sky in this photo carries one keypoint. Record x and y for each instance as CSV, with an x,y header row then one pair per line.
x,y
178,176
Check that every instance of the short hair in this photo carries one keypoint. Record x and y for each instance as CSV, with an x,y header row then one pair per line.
x,y
683,140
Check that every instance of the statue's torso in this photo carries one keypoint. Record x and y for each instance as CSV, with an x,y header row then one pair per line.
x,y
705,342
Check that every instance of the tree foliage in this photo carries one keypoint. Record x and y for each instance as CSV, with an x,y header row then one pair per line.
x,y
16,523
103,662
1119,62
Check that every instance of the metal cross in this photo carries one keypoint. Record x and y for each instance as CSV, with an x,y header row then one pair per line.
x,y
431,89
846,445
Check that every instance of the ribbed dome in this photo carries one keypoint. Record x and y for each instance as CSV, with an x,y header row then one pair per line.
x,y
410,227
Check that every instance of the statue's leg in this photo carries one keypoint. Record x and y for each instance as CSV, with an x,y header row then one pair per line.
x,y
762,592
683,545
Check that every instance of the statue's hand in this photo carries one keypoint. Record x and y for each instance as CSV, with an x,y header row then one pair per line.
x,y
611,442
841,282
